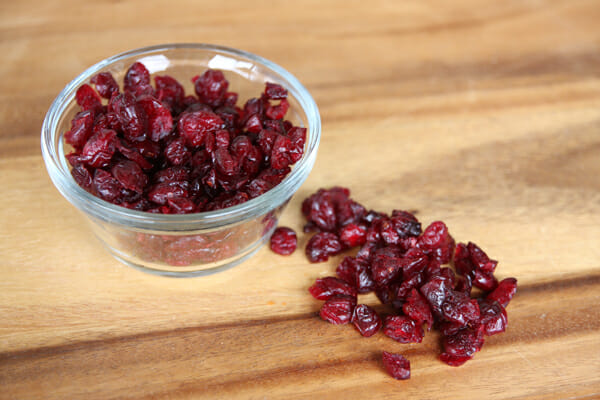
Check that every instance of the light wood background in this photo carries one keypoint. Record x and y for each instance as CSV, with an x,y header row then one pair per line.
x,y
485,114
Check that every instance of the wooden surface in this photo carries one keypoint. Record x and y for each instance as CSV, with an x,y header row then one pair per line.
x,y
483,114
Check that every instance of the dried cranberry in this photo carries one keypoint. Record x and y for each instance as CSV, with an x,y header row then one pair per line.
x,y
81,129
274,91
352,235
396,365
283,241
87,98
366,320
99,149
158,117
130,175
194,126
211,87
493,317
357,274
137,80
106,186
504,292
417,308
322,245
338,310
402,329
326,288
131,116
105,83
461,346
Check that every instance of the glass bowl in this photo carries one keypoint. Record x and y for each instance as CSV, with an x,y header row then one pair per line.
x,y
189,244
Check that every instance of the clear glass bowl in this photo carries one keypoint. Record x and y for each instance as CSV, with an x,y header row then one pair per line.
x,y
190,244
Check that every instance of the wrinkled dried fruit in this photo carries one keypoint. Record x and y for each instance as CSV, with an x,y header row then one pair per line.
x,y
326,288
338,310
396,365
366,320
283,241
323,245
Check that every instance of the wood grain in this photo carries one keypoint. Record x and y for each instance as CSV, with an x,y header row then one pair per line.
x,y
483,114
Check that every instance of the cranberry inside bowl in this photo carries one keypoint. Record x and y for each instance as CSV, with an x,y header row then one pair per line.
x,y
163,198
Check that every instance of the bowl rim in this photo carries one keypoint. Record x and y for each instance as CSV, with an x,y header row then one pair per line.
x,y
56,164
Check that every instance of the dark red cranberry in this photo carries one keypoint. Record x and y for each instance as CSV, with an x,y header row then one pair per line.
x,y
338,310
357,274
159,119
137,80
87,98
493,317
402,329
99,149
195,126
211,87
274,91
169,91
106,186
366,320
326,288
105,84
130,175
322,245
131,116
417,308
283,241
81,129
396,365
504,292
352,235
462,346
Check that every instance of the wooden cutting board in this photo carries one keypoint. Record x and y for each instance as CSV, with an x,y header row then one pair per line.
x,y
485,114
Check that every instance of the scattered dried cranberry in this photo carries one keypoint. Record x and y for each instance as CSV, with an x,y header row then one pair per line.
x,y
323,245
396,365
403,266
326,288
283,241
338,310
366,320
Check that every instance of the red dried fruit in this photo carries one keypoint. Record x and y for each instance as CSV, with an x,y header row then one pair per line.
x,y
105,84
353,235
211,87
357,274
195,126
396,365
366,320
158,118
493,317
504,292
322,245
87,98
130,175
417,308
338,310
169,92
99,149
326,288
106,186
137,80
273,91
283,241
81,129
402,329
131,116
461,346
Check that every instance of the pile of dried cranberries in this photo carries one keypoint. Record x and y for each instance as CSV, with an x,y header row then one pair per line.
x,y
402,264
156,149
